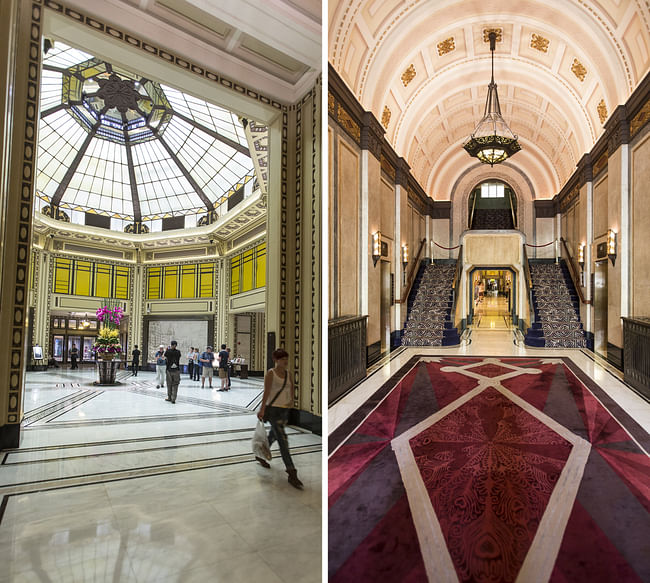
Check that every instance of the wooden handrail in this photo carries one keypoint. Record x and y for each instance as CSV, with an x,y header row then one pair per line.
x,y
529,279
471,215
456,282
512,210
529,287
415,265
574,272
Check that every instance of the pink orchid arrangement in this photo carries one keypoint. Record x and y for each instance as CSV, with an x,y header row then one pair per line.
x,y
108,340
110,317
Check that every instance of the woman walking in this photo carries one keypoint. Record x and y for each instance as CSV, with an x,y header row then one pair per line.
x,y
276,403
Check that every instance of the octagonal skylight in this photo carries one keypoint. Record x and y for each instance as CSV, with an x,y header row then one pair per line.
x,y
125,149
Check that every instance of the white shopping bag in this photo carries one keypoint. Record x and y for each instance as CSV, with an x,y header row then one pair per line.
x,y
260,443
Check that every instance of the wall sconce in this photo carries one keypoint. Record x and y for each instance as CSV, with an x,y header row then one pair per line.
x,y
376,248
581,255
611,245
405,255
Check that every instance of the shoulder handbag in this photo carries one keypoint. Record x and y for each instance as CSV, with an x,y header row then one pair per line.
x,y
266,409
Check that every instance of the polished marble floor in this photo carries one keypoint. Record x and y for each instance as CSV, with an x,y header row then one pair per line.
x,y
116,484
491,313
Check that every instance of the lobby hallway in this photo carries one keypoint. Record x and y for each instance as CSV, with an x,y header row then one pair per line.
x,y
116,484
491,313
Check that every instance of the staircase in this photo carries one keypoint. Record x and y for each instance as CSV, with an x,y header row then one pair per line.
x,y
557,310
492,219
429,321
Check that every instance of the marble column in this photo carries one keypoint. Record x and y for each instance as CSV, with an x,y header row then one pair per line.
x,y
20,58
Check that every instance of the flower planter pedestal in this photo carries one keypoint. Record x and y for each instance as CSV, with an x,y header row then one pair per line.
x,y
106,370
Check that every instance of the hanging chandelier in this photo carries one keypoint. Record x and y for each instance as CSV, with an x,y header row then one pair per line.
x,y
492,141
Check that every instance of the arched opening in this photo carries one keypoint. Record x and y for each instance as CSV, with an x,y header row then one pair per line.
x,y
492,205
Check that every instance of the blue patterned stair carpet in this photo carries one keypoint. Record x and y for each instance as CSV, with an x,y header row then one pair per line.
x,y
557,310
429,321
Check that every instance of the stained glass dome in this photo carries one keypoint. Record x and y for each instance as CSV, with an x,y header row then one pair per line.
x,y
117,145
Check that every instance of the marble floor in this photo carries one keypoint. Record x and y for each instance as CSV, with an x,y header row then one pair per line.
x,y
491,312
116,484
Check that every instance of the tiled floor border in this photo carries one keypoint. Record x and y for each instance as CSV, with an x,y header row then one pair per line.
x,y
226,461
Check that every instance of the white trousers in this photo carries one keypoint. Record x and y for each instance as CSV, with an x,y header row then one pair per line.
x,y
161,373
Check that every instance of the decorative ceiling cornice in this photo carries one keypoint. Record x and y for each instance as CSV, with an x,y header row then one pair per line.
x,y
372,135
246,216
617,128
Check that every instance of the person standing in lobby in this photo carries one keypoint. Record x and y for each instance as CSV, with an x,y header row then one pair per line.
x,y
161,367
173,360
190,362
74,354
223,368
207,368
196,365
136,361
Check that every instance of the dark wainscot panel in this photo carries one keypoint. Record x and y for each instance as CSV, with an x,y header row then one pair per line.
x,y
347,354
636,359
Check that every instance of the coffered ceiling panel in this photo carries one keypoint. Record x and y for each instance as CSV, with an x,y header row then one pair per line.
x,y
561,66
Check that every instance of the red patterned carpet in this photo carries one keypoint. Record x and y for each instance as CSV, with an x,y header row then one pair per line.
x,y
489,470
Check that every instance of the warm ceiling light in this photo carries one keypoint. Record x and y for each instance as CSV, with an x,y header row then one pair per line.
x,y
492,141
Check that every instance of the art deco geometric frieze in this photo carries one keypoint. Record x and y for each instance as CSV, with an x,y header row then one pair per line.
x,y
602,111
600,164
497,31
385,117
579,70
539,42
446,46
640,119
348,124
408,75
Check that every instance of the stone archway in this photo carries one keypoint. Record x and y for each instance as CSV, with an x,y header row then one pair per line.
x,y
466,183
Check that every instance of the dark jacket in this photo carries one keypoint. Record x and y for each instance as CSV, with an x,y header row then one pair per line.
x,y
173,357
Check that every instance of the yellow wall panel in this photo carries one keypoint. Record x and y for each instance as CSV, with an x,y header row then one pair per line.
x,y
62,270
188,281
247,272
153,283
122,277
206,277
83,278
170,285
103,280
260,266
235,269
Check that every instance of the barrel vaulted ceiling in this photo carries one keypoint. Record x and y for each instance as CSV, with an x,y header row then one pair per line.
x,y
422,68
